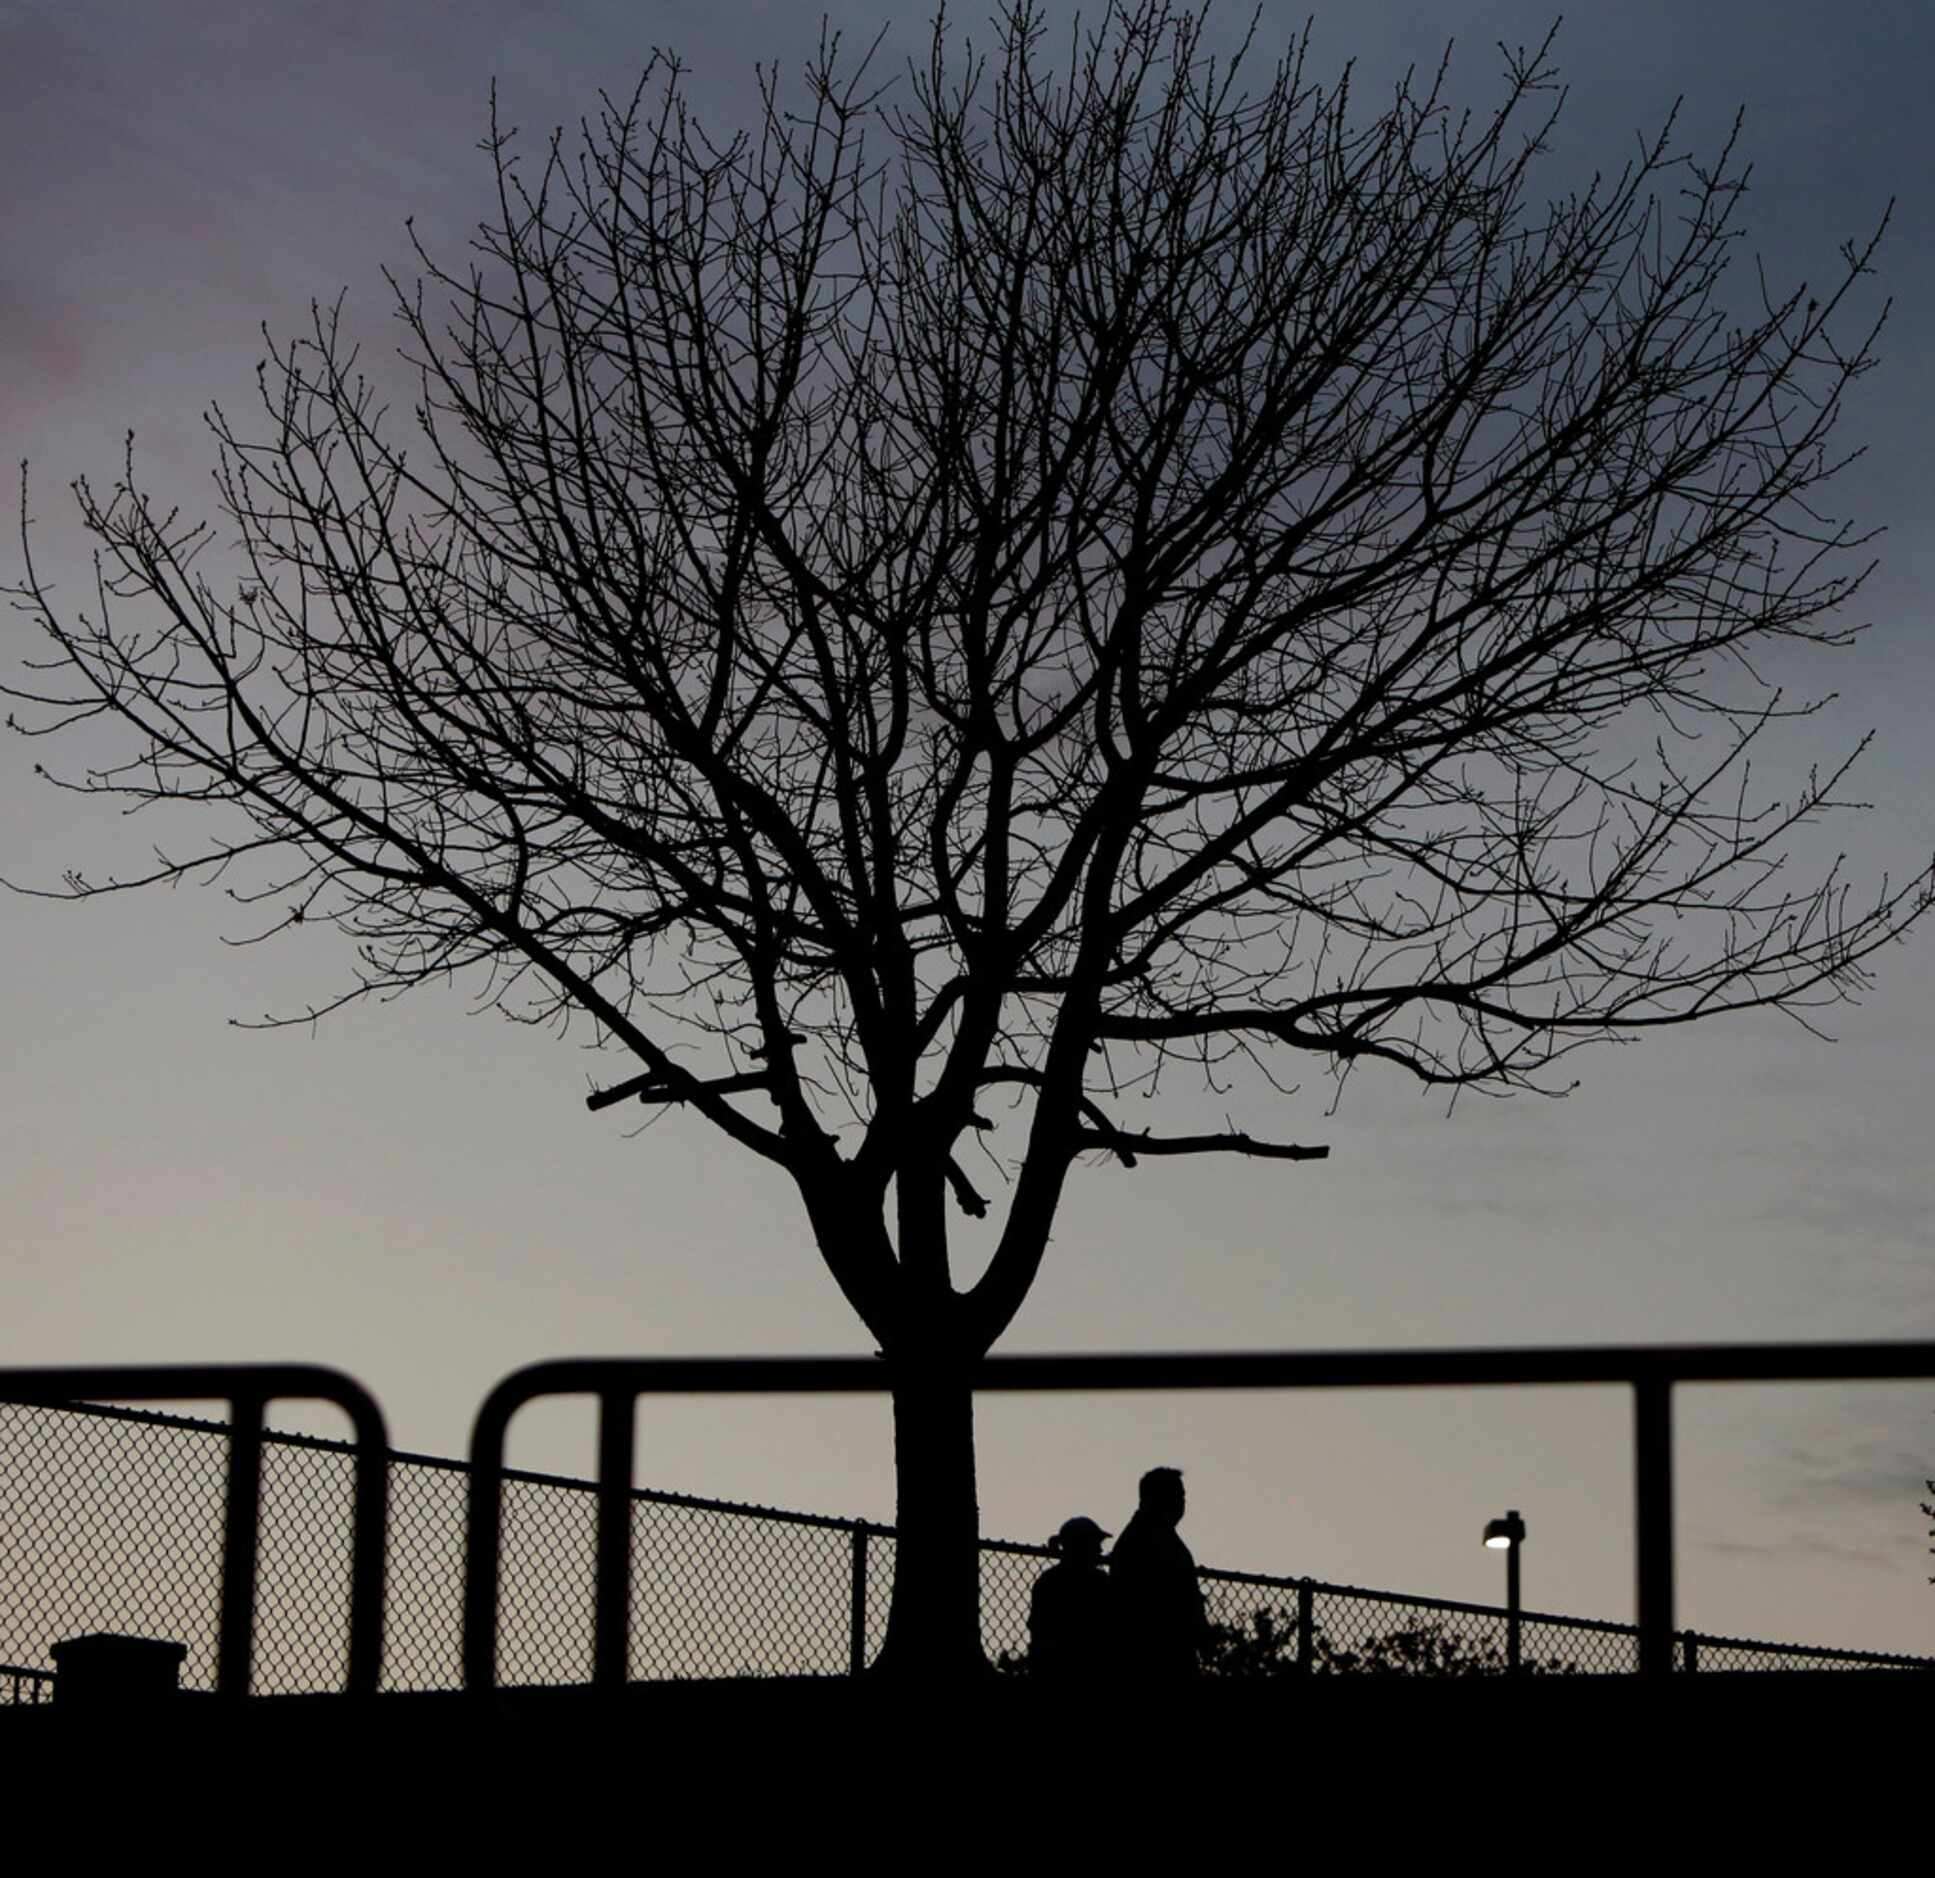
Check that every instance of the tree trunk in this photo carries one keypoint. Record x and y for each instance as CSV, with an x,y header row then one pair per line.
x,y
934,1620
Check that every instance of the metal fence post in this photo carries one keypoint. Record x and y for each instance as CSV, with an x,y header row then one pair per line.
x,y
241,1540
1653,1523
1306,1626
1689,1651
611,1642
857,1603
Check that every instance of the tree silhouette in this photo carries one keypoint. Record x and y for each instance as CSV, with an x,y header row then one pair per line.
x,y
1005,591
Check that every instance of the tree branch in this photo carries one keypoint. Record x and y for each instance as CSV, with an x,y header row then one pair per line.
x,y
657,1086
1127,1145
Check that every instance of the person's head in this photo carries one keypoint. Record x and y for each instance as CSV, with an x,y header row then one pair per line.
x,y
1162,1494
1080,1539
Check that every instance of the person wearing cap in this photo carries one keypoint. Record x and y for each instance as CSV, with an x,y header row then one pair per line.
x,y
1071,1612
1159,1599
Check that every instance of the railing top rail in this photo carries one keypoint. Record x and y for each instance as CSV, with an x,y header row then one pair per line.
x,y
1708,1641
1320,1587
257,1383
1413,1601
448,1464
1560,1366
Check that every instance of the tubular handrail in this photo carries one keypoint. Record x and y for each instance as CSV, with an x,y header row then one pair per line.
x,y
248,1388
1651,1371
40,1681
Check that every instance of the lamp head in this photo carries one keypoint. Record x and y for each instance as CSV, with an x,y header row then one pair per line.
x,y
1502,1534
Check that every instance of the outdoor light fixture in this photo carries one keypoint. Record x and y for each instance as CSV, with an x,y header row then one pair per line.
x,y
1507,1535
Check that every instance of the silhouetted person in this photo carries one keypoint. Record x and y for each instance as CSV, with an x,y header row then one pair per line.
x,y
1159,1603
1072,1629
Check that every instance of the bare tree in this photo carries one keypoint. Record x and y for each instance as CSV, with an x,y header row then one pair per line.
x,y
992,590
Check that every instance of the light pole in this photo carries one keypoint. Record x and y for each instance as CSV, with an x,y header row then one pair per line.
x,y
1507,1535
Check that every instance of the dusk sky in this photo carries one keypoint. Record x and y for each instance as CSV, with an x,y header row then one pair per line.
x,y
417,1194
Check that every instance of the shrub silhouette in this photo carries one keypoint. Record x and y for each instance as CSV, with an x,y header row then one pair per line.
x,y
1267,1647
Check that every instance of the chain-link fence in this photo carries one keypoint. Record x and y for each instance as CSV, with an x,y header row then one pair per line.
x,y
111,1520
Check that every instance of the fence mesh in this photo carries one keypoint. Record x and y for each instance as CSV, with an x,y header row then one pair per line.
x,y
111,1520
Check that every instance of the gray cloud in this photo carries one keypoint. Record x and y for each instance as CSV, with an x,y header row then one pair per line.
x,y
1868,1473
1801,1548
